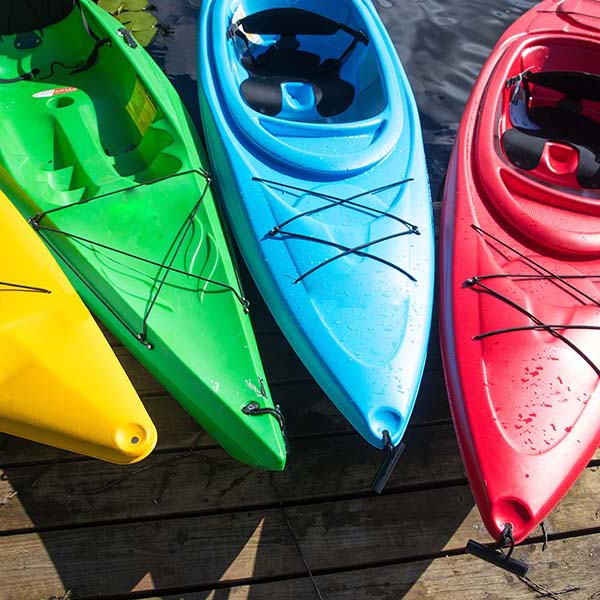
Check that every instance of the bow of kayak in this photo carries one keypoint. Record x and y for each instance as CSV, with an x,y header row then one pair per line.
x,y
98,151
61,384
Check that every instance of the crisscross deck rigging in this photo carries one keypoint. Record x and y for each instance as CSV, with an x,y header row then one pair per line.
x,y
335,201
20,287
542,273
164,268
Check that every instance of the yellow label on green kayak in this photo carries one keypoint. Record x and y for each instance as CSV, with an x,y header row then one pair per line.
x,y
141,107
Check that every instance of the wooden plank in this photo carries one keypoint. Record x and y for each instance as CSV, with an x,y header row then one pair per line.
x,y
115,560
236,547
208,481
418,524
569,566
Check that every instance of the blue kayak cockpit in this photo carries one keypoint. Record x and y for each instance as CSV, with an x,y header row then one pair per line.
x,y
301,80
299,76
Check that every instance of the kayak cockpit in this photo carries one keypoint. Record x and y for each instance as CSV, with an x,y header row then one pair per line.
x,y
316,73
303,66
88,137
536,149
550,119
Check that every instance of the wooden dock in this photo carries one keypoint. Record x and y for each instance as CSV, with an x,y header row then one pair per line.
x,y
190,523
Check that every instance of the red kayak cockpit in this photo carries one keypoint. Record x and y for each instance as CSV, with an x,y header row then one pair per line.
x,y
558,139
541,136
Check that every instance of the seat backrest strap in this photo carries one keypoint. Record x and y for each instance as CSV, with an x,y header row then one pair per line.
x,y
291,22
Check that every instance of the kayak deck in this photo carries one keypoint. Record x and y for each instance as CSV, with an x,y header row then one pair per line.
x,y
112,177
520,263
329,203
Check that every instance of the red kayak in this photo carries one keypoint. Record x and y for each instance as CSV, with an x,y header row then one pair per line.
x,y
520,290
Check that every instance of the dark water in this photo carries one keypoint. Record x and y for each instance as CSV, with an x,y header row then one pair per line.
x,y
442,43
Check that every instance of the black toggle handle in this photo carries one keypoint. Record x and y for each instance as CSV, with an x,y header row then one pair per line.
x,y
392,456
253,409
128,37
517,567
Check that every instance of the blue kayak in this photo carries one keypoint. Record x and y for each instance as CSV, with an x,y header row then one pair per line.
x,y
317,152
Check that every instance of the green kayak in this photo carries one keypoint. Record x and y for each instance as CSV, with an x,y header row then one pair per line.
x,y
99,153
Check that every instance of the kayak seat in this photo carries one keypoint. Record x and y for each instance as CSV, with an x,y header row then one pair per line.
x,y
564,123
263,89
85,151
285,62
19,16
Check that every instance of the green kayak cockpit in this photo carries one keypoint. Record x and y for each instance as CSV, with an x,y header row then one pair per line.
x,y
72,107
98,152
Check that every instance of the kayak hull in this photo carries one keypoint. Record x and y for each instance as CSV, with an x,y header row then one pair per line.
x,y
524,397
360,321
61,383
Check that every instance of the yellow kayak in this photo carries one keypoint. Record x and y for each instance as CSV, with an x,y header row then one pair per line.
x,y
60,383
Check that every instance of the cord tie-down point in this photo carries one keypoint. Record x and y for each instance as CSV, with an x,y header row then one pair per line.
x,y
34,221
253,409
392,456
498,558
142,338
245,305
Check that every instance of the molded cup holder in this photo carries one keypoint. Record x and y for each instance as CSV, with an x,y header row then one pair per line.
x,y
561,159
60,101
299,94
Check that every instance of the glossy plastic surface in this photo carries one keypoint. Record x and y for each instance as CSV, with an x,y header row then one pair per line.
x,y
360,322
69,136
525,402
61,384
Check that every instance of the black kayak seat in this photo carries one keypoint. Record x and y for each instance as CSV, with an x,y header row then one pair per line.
x,y
564,123
284,61
22,16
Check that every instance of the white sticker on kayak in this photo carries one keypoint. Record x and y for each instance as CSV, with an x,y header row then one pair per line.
x,y
54,92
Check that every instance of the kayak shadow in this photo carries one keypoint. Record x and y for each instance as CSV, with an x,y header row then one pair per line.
x,y
200,522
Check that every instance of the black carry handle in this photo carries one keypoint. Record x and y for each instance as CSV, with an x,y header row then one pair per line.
x,y
517,567
390,460
498,559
